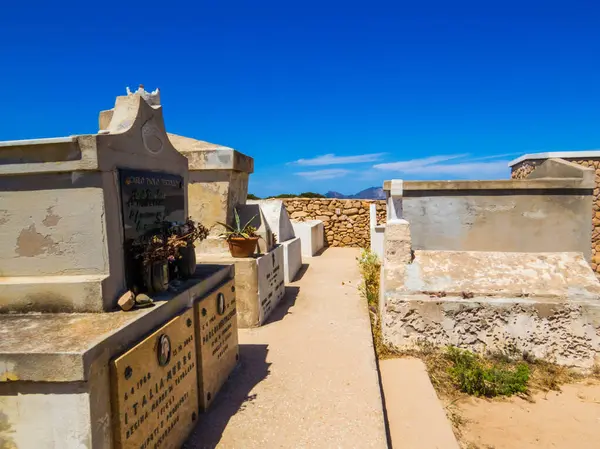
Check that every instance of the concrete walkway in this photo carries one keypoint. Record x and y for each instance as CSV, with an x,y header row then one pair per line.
x,y
308,378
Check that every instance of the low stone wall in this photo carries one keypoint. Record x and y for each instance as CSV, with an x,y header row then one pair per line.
x,y
346,221
525,168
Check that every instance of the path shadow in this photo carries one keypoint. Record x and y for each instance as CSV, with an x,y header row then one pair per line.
x,y
283,308
233,397
321,251
301,272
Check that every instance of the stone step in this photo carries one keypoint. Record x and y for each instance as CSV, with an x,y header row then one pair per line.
x,y
416,418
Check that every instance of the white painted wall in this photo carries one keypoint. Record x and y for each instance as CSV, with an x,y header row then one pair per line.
x,y
292,256
376,232
311,233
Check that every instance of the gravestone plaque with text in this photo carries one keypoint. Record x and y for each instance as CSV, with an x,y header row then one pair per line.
x,y
155,388
217,341
149,199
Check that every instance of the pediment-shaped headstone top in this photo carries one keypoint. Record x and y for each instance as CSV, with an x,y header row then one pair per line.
x,y
152,98
138,118
277,217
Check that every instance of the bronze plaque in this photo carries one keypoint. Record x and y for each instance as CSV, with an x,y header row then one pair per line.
x,y
217,341
155,388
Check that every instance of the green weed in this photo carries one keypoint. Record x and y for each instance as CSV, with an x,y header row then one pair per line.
x,y
477,376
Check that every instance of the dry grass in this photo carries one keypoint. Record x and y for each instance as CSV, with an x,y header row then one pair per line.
x,y
546,376
370,268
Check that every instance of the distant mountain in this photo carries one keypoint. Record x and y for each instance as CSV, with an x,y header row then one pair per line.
x,y
372,193
332,194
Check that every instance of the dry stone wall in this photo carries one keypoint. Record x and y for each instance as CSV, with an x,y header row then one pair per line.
x,y
346,222
524,169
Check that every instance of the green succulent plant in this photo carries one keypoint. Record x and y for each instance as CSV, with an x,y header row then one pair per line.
x,y
238,231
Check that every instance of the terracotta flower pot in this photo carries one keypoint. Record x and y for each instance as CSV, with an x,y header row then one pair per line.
x,y
241,247
187,262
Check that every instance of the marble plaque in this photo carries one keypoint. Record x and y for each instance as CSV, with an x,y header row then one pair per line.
x,y
217,341
155,388
148,199
271,284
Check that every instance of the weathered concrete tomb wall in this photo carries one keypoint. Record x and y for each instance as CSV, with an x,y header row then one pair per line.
x,y
346,221
218,183
522,216
546,304
525,166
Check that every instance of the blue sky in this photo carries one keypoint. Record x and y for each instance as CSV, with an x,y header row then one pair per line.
x,y
324,95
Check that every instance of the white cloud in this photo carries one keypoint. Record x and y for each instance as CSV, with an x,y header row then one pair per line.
x,y
403,166
472,170
332,159
496,156
323,174
435,166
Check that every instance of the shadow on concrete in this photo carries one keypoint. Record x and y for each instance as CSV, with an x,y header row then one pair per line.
x,y
284,306
301,272
233,397
321,251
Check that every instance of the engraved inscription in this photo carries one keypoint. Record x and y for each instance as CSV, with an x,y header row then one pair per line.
x,y
149,199
275,290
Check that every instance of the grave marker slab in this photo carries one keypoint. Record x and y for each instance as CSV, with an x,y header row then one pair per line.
x,y
155,390
217,341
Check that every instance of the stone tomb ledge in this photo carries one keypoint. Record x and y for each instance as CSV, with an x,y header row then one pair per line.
x,y
499,273
259,284
546,304
63,347
58,386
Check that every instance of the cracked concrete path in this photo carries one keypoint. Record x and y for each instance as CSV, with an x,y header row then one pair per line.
x,y
308,378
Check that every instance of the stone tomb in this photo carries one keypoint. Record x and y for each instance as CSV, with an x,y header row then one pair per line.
x,y
218,182
544,304
259,284
155,390
277,217
63,229
312,235
216,340
90,377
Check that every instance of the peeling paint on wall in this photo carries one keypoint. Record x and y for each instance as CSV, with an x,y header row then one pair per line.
x,y
6,441
31,243
51,218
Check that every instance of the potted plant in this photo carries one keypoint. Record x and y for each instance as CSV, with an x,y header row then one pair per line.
x,y
154,255
168,253
185,237
242,240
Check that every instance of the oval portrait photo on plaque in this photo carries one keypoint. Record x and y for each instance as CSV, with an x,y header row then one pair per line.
x,y
164,350
220,303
